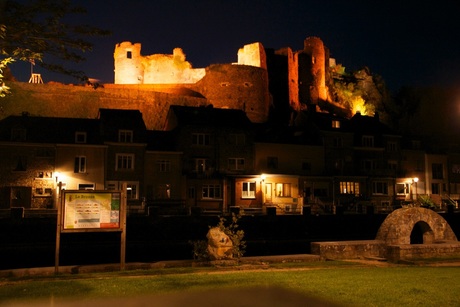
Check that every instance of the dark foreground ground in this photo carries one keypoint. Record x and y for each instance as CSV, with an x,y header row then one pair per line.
x,y
31,242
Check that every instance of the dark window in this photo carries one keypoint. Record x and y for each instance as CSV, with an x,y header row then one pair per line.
x,y
272,162
437,170
129,55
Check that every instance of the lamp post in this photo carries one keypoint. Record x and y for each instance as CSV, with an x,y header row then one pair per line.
x,y
415,182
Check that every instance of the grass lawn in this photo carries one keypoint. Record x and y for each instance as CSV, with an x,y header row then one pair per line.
x,y
345,283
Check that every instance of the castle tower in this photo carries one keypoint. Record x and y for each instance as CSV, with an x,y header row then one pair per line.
x,y
253,55
314,47
128,63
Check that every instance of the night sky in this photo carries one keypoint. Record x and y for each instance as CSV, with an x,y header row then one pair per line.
x,y
406,42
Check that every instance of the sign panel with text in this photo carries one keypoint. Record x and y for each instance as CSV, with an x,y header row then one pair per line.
x,y
95,210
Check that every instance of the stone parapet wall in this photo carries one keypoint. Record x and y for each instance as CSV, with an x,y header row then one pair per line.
x,y
349,249
396,253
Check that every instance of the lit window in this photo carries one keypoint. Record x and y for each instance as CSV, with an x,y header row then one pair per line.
x,y
164,166
132,190
402,188
124,162
248,190
211,191
80,164
164,191
80,137
349,188
283,189
125,136
236,164
336,124
86,186
200,139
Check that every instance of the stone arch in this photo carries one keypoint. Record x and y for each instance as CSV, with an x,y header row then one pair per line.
x,y
396,229
421,233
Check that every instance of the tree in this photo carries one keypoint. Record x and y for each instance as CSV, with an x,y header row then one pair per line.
x,y
40,32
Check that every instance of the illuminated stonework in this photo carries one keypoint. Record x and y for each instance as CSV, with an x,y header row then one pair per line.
x,y
133,68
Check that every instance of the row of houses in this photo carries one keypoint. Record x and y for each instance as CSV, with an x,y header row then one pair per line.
x,y
215,160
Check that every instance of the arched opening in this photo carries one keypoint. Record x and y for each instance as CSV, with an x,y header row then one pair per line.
x,y
421,234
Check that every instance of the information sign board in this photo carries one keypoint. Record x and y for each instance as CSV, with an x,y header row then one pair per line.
x,y
95,210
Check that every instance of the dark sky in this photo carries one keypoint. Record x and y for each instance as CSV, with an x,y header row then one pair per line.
x,y
406,42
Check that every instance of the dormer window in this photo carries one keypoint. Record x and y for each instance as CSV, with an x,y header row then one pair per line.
x,y
336,124
125,136
80,137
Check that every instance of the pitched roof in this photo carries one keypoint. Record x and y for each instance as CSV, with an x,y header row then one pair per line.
x,y
208,116
49,129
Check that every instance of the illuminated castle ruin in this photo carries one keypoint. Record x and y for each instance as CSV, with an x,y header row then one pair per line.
x,y
261,82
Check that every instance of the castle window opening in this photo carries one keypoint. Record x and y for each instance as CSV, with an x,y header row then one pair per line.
x,y
247,84
224,84
129,54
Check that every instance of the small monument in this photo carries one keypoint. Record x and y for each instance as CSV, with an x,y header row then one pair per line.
x,y
393,240
220,246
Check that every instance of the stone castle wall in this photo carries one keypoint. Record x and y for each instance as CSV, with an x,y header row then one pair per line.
x,y
237,87
58,100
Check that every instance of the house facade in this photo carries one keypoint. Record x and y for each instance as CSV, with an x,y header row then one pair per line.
x,y
213,160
